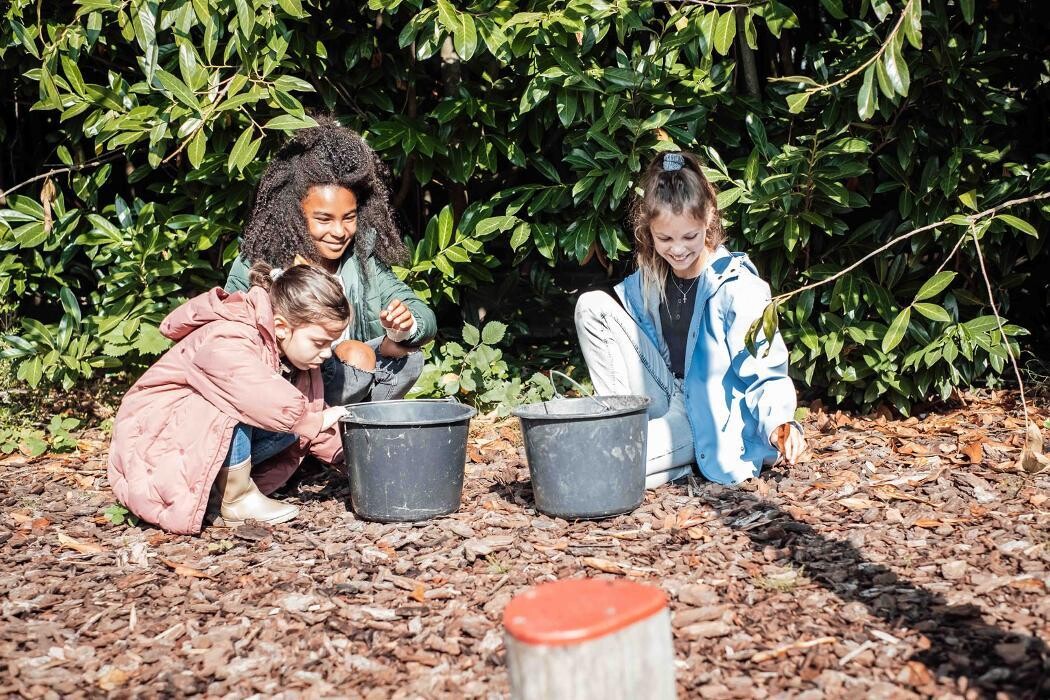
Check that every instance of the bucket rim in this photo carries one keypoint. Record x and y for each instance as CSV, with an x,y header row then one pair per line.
x,y
525,413
350,417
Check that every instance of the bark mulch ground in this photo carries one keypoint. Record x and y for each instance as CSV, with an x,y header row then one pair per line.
x,y
902,559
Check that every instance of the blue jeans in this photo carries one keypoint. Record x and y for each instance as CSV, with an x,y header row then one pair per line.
x,y
391,379
256,444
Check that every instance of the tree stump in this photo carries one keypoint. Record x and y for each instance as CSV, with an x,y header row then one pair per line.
x,y
590,638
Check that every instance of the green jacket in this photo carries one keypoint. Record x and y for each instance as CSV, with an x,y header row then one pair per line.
x,y
383,287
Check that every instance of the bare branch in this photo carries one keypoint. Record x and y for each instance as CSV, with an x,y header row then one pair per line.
x,y
905,236
58,171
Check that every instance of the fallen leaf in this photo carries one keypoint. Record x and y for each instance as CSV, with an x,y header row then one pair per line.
x,y
974,451
112,679
82,547
908,447
1033,460
183,570
1028,584
920,675
856,503
609,567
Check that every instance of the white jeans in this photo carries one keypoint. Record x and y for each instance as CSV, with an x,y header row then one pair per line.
x,y
622,360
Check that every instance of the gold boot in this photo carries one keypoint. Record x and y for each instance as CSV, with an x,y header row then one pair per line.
x,y
242,499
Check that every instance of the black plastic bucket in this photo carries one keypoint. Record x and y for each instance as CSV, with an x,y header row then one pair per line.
x,y
586,456
406,458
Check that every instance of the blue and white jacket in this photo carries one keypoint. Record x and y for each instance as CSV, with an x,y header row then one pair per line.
x,y
735,401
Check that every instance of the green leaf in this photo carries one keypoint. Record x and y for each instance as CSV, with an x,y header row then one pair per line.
x,y
834,8
245,18
465,40
896,68
178,89
969,199
150,341
293,8
725,32
493,332
935,285
1019,224
240,149
885,85
770,321
448,16
34,445
471,335
932,311
967,10
445,227
896,330
486,227
520,235
866,97
290,122
196,148
913,24
797,102
70,304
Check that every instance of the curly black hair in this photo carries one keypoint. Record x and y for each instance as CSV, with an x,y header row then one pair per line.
x,y
327,154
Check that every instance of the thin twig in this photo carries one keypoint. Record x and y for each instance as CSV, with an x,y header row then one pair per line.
x,y
973,219
780,651
58,171
999,323
204,119
878,54
714,3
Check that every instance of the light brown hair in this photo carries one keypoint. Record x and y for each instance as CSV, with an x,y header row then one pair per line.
x,y
685,189
302,294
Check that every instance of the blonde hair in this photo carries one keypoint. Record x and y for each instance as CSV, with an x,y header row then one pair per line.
x,y
678,189
303,294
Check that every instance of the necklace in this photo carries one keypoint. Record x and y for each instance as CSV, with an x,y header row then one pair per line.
x,y
684,294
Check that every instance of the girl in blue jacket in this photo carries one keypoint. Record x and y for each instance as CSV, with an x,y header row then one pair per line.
x,y
677,336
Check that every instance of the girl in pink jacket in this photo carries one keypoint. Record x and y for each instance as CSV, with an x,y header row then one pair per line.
x,y
235,405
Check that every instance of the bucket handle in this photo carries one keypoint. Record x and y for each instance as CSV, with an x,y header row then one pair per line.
x,y
579,388
349,407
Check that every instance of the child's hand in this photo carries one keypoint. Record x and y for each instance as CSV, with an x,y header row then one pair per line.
x,y
331,415
790,442
396,316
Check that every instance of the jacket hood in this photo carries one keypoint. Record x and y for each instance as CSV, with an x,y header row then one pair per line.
x,y
251,308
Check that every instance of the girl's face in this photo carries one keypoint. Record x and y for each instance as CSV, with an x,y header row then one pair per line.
x,y
308,345
680,239
331,219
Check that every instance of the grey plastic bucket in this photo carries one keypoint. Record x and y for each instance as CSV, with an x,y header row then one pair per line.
x,y
406,458
586,456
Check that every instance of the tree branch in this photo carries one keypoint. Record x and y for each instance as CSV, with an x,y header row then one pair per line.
x,y
58,171
905,236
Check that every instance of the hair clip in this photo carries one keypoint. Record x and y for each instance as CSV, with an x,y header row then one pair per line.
x,y
673,161
275,273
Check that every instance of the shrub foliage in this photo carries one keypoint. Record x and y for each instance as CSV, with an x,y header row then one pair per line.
x,y
515,130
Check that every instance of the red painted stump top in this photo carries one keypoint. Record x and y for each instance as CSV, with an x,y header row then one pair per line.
x,y
578,610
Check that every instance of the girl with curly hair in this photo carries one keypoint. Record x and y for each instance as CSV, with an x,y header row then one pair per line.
x,y
323,199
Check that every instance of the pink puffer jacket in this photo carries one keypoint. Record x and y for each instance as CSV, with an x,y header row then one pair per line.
x,y
174,427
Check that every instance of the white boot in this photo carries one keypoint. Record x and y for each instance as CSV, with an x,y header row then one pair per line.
x,y
242,499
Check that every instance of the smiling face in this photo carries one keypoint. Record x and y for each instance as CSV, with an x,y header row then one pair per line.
x,y
308,345
331,220
680,239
